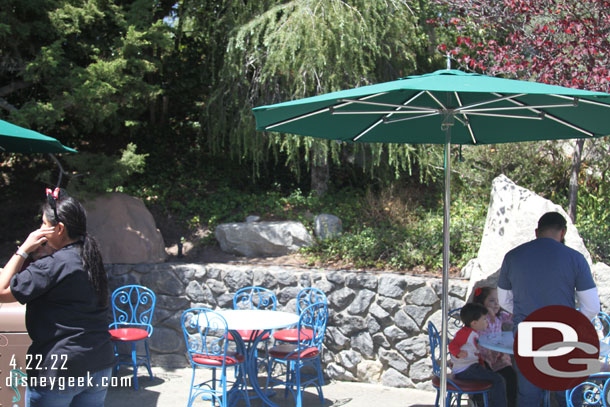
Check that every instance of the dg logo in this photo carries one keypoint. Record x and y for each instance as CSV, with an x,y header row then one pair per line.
x,y
556,348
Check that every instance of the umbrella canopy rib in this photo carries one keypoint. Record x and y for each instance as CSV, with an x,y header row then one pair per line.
x,y
582,100
557,119
323,110
383,120
459,100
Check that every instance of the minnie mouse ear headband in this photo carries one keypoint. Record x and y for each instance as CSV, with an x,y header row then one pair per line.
x,y
52,198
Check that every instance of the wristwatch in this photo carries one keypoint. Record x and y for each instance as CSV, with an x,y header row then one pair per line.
x,y
21,253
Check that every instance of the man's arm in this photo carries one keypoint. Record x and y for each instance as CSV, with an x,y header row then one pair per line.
x,y
505,298
588,301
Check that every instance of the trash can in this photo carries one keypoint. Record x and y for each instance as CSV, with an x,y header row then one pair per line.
x,y
14,343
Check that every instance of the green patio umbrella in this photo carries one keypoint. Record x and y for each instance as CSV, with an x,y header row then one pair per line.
x,y
15,139
444,107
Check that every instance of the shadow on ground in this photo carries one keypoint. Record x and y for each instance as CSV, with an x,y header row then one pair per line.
x,y
169,388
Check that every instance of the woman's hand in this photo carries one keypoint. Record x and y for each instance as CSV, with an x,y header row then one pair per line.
x,y
37,238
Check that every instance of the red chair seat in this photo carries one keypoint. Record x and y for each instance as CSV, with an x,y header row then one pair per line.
x,y
231,359
292,335
246,334
467,386
128,334
286,352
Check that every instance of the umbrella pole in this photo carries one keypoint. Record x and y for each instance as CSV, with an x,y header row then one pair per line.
x,y
448,122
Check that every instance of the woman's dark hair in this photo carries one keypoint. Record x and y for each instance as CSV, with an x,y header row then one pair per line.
x,y
71,213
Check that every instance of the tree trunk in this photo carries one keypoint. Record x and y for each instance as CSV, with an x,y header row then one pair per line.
x,y
575,170
319,171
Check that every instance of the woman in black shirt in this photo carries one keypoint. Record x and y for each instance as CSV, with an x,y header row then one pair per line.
x,y
71,357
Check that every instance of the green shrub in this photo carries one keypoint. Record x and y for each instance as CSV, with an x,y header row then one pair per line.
x,y
95,173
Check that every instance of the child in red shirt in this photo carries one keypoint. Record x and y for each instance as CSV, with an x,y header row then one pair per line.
x,y
465,355
497,361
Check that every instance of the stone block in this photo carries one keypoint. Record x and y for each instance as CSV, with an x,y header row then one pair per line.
x,y
393,378
404,322
361,280
394,334
422,296
369,371
349,359
413,348
361,302
392,286
363,342
393,359
421,370
418,313
166,340
163,283
341,298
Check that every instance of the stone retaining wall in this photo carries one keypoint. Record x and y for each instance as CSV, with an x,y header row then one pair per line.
x,y
377,328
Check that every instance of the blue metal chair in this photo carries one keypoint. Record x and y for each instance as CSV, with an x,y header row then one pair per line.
x,y
132,312
601,322
253,298
592,392
306,297
455,387
305,352
205,333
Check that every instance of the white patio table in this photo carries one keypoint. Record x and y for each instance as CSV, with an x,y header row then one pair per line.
x,y
260,322
504,343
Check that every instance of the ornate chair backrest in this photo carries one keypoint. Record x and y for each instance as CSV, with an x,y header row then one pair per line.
x,y
133,306
454,322
254,298
435,348
205,333
601,322
308,296
313,318
594,391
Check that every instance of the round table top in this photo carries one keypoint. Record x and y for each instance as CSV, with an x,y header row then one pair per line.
x,y
255,319
500,343
504,343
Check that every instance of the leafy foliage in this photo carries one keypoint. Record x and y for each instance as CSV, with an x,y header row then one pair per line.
x,y
302,48
96,173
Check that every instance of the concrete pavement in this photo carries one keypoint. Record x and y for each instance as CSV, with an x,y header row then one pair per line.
x,y
169,388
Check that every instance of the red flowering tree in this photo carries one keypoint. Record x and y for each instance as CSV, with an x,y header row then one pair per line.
x,y
561,42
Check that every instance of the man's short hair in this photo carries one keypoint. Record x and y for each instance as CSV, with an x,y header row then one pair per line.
x,y
471,312
552,220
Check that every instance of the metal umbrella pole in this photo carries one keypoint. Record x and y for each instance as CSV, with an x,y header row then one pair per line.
x,y
447,124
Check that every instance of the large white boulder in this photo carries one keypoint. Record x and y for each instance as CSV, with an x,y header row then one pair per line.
x,y
512,219
601,275
124,229
261,239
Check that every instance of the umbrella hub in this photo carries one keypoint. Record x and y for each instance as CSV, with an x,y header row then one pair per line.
x,y
448,118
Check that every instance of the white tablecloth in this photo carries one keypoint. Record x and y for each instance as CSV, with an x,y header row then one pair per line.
x,y
258,319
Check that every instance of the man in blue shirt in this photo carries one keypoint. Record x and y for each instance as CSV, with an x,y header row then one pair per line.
x,y
545,272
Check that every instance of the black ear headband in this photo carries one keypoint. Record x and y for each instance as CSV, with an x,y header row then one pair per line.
x,y
52,197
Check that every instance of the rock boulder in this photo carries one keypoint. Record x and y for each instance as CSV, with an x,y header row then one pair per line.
x,y
512,219
254,239
124,229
